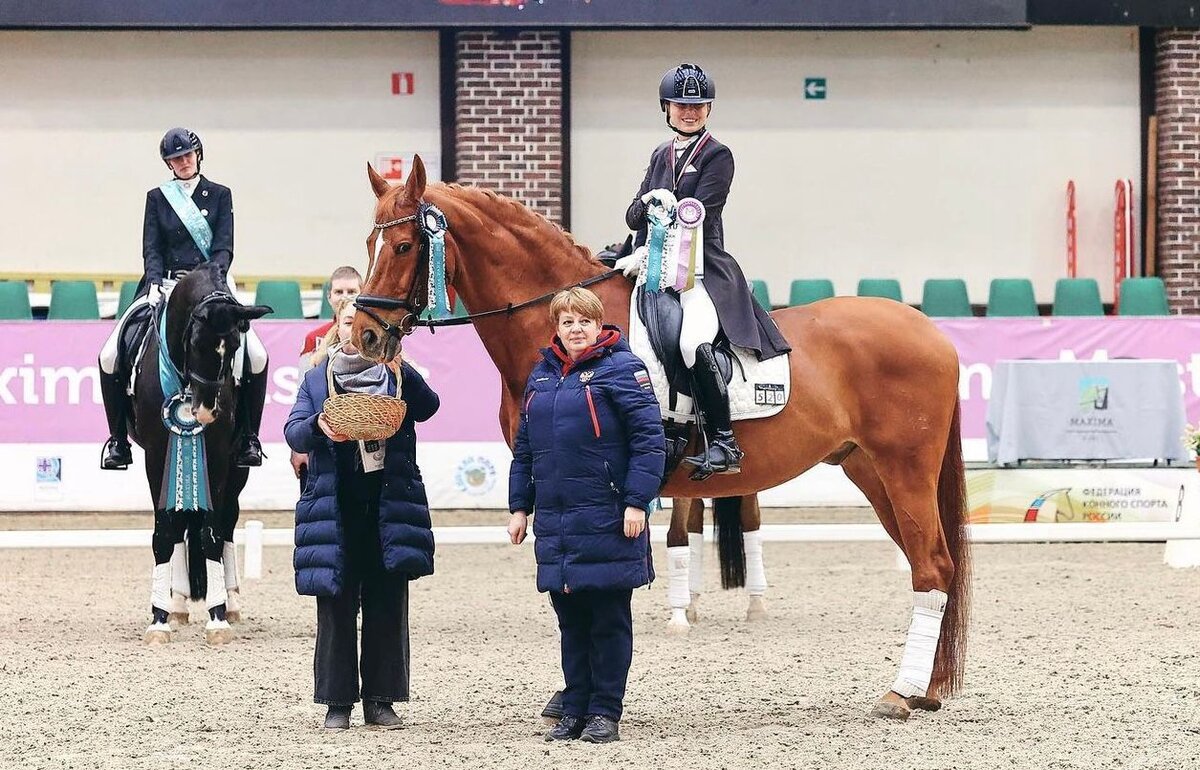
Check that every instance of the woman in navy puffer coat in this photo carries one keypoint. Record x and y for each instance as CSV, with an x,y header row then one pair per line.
x,y
588,459
362,532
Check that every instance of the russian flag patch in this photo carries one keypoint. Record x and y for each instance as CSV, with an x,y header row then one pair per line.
x,y
643,378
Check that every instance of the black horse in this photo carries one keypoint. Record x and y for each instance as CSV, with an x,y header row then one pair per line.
x,y
202,329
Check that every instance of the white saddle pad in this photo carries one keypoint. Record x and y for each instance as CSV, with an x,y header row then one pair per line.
x,y
762,393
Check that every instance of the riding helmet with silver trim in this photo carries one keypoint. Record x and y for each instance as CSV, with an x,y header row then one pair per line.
x,y
178,142
686,84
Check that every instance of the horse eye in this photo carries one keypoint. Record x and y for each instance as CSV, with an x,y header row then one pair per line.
x,y
403,248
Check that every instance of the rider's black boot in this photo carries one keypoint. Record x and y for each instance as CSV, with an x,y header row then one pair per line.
x,y
116,455
252,396
722,455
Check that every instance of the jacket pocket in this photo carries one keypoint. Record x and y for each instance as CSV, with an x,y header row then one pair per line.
x,y
587,390
528,401
612,482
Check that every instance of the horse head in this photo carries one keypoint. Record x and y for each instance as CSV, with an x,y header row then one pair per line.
x,y
204,327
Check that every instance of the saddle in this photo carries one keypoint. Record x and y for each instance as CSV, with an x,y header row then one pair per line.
x,y
131,341
662,315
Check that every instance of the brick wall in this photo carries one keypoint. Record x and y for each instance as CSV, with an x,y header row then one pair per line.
x,y
1177,94
509,133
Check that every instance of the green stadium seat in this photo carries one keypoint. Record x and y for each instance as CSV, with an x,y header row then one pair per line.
x,y
806,290
1011,298
326,309
1143,296
73,301
14,301
128,294
759,290
1077,296
282,296
888,288
946,298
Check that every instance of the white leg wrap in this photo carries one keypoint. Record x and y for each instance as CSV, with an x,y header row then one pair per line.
x,y
229,560
916,666
216,584
756,576
696,565
179,571
677,577
160,587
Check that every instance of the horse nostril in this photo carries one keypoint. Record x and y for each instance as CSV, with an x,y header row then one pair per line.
x,y
369,338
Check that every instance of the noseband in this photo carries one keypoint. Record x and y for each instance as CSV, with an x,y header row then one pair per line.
x,y
224,369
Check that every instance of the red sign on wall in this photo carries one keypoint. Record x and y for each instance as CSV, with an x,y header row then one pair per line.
x,y
402,84
390,166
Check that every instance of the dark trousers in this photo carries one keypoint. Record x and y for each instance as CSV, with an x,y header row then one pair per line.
x,y
383,597
597,650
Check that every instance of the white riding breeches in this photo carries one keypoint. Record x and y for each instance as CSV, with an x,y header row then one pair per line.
x,y
700,324
251,345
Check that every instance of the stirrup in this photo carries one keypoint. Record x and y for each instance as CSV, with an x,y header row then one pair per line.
x,y
250,453
117,455
728,461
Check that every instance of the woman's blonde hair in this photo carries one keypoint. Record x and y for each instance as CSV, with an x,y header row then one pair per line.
x,y
579,301
330,340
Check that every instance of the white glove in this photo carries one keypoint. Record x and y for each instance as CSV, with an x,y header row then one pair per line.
x,y
154,295
631,265
664,198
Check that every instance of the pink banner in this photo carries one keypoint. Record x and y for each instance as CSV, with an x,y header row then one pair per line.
x,y
49,392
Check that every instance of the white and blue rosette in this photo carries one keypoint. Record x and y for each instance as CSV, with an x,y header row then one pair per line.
x,y
433,225
185,472
660,221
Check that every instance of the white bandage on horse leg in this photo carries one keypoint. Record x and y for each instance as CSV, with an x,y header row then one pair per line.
x,y
756,576
216,584
677,577
696,565
916,667
160,587
180,584
229,559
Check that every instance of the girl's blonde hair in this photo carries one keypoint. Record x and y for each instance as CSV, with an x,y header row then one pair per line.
x,y
579,301
330,340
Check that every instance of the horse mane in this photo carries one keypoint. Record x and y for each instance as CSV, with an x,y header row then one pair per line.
x,y
480,197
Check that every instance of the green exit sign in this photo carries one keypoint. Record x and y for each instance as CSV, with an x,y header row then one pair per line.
x,y
814,88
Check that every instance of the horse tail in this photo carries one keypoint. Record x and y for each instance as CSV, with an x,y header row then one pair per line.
x,y
197,571
731,551
948,664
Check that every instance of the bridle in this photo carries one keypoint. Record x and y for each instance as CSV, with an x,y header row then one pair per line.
x,y
368,303
225,368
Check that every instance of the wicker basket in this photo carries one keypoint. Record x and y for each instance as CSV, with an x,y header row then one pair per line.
x,y
363,416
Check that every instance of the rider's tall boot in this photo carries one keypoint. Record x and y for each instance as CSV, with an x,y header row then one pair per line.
x,y
252,397
722,455
117,454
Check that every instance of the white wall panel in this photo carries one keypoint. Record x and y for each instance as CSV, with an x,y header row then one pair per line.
x,y
935,154
288,120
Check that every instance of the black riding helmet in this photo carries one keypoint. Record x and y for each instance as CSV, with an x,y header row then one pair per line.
x,y
180,141
686,84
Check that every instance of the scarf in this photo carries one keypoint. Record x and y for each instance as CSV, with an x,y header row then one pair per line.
x,y
355,374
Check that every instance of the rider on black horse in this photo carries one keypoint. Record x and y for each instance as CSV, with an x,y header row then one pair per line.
x,y
695,165
189,221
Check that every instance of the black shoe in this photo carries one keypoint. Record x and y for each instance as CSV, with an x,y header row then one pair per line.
x,y
380,715
250,452
554,708
722,455
338,718
568,729
116,455
600,729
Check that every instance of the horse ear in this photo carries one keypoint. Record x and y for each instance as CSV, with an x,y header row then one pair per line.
x,y
414,188
378,183
248,314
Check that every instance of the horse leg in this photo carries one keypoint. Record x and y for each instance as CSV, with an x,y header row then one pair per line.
x,y
180,590
231,512
908,510
168,531
756,576
677,566
217,630
695,541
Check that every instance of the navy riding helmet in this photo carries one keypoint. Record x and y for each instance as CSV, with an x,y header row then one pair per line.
x,y
686,84
180,141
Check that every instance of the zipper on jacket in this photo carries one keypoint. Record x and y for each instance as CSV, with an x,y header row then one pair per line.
x,y
528,401
611,483
587,389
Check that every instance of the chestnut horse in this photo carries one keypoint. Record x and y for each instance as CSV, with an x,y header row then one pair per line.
x,y
874,390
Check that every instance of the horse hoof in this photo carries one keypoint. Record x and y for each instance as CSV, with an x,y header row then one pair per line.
x,y
757,609
218,633
675,628
177,619
923,703
891,706
692,614
157,634
233,616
